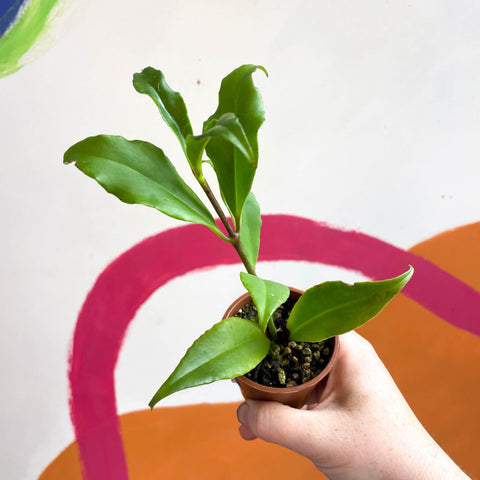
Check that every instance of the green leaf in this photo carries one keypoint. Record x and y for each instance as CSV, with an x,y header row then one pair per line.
x,y
333,308
234,171
239,95
266,295
227,128
139,172
250,225
229,349
171,105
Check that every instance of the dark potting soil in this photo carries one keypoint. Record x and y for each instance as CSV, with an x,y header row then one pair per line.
x,y
288,363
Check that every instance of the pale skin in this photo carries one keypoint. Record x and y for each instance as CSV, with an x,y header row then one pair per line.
x,y
359,427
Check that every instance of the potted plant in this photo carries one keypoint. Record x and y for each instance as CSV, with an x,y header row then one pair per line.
x,y
281,337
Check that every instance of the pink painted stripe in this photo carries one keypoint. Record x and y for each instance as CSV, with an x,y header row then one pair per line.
x,y
127,283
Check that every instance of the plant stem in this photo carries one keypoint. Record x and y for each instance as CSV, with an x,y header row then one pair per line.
x,y
218,209
272,329
237,244
233,235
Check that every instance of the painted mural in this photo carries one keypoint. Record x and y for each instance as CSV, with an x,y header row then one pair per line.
x,y
380,173
452,305
25,26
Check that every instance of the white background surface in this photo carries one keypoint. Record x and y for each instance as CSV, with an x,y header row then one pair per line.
x,y
372,124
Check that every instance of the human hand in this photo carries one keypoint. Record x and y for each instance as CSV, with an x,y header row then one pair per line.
x,y
358,427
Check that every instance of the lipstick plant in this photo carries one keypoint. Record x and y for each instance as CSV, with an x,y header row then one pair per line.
x,y
139,172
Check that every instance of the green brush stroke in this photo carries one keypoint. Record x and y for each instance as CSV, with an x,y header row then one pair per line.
x,y
23,34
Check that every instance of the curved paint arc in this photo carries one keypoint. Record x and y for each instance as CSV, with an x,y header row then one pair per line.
x,y
9,10
22,31
128,282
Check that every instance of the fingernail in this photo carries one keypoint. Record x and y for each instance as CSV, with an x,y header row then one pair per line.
x,y
242,413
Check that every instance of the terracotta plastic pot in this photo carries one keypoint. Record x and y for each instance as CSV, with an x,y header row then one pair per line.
x,y
293,396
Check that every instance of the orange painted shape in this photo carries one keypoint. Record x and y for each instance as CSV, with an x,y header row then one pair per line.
x,y
456,251
65,466
198,442
435,365
202,442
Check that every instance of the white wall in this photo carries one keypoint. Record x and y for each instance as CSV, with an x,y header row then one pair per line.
x,y
372,124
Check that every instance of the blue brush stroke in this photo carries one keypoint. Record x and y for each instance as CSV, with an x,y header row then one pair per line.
x,y
8,13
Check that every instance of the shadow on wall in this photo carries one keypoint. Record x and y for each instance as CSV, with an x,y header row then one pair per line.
x,y
445,394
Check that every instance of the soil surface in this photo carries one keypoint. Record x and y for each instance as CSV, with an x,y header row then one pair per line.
x,y
288,363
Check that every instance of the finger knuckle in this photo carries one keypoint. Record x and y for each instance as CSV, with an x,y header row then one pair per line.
x,y
263,421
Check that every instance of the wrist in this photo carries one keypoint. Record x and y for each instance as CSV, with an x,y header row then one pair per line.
x,y
425,461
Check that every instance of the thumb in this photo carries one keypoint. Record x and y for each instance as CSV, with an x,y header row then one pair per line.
x,y
277,423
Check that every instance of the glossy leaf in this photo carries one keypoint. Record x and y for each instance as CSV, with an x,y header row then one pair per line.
x,y
250,225
266,295
152,82
239,95
234,171
226,128
333,308
229,349
139,172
